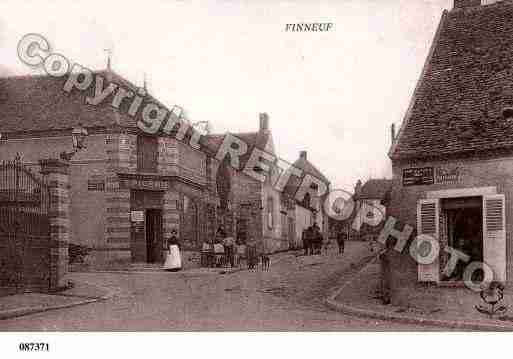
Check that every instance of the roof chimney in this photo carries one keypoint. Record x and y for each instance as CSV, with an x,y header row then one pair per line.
x,y
392,132
264,121
462,4
302,155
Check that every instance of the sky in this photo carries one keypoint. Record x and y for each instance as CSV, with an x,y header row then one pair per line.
x,y
334,94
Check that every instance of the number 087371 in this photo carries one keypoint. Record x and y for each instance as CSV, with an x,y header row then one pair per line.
x,y
34,347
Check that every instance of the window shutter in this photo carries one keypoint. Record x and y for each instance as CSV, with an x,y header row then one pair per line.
x,y
494,235
428,222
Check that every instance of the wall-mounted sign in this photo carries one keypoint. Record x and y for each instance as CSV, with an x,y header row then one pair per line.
x,y
418,176
148,184
448,175
137,216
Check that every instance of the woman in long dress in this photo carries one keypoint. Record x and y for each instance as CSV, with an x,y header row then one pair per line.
x,y
173,258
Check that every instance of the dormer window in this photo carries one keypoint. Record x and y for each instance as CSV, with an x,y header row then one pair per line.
x,y
507,114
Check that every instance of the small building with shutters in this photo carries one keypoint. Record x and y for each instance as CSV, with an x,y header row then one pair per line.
x,y
452,158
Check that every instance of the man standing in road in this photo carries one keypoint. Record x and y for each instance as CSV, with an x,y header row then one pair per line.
x,y
306,238
229,245
341,239
316,239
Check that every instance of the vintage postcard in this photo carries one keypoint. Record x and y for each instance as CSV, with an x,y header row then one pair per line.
x,y
255,166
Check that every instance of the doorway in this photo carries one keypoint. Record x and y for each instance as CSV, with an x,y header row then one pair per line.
x,y
464,231
154,237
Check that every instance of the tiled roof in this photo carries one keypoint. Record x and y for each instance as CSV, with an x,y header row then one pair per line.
x,y
375,189
216,140
466,84
306,167
39,103
252,139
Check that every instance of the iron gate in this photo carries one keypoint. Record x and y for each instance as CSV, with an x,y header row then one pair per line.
x,y
24,229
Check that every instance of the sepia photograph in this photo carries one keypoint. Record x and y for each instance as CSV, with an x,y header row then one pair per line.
x,y
184,168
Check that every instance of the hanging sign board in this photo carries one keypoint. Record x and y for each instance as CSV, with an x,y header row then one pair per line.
x,y
448,175
418,176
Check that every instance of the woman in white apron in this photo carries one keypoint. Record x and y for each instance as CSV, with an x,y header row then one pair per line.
x,y
173,259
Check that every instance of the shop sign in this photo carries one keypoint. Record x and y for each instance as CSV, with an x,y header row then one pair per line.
x,y
418,176
448,175
145,184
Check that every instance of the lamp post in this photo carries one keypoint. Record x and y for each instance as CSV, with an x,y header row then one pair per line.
x,y
78,135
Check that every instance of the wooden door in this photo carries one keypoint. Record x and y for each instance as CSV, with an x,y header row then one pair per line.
x,y
154,238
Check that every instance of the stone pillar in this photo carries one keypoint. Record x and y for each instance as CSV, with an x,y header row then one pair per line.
x,y
56,174
172,206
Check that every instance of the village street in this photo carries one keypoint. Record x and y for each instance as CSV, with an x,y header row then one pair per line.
x,y
288,297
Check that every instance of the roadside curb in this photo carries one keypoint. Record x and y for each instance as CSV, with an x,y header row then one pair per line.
x,y
348,309
18,312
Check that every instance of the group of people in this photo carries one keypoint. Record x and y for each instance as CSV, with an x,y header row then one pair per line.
x,y
226,250
314,241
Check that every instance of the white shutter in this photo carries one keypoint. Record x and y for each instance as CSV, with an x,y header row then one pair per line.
x,y
494,235
428,222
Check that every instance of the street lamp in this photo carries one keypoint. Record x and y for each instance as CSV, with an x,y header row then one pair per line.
x,y
78,136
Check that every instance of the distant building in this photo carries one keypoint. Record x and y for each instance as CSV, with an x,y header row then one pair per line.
x,y
371,200
310,209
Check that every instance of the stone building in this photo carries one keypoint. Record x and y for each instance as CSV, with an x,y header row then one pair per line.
x,y
371,200
252,208
309,209
129,190
453,157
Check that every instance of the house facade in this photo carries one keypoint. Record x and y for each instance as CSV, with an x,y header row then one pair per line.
x,y
453,157
371,201
308,209
370,206
129,189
